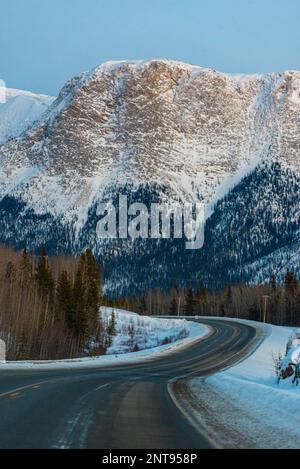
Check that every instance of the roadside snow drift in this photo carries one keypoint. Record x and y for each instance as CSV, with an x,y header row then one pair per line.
x,y
249,408
135,332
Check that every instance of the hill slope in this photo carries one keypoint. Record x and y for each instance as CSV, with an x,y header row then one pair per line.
x,y
160,131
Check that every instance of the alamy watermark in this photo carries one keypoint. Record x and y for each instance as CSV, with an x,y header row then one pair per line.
x,y
2,92
158,221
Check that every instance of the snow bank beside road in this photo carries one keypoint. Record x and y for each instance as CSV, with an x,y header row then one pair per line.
x,y
250,409
135,332
195,332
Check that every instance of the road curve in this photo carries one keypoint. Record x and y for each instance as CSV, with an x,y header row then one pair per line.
x,y
124,406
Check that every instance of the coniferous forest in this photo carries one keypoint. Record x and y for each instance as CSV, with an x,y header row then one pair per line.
x,y
49,306
277,303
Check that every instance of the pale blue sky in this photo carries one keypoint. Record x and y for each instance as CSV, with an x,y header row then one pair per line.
x,y
45,42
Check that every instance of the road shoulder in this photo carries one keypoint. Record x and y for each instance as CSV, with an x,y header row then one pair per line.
x,y
211,411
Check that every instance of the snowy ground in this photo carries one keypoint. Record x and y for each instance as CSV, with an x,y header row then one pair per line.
x,y
135,332
245,406
148,334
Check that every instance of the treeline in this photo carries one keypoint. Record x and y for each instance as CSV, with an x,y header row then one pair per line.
x,y
272,302
49,307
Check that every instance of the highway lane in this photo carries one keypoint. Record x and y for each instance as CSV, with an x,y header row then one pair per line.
x,y
124,406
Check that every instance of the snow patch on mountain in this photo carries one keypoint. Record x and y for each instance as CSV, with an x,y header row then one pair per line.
x,y
20,110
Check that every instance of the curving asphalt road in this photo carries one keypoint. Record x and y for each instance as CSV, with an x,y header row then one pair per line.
x,y
118,406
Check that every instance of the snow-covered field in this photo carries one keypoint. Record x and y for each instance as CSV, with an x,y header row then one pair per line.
x,y
152,336
250,408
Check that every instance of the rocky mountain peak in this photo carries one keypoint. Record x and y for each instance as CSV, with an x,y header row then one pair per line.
x,y
167,130
192,130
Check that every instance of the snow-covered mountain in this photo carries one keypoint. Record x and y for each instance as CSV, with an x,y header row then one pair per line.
x,y
19,111
158,130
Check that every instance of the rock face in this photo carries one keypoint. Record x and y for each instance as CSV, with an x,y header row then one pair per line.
x,y
178,131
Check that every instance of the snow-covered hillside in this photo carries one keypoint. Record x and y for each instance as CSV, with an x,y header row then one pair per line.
x,y
192,130
161,131
247,401
20,110
134,332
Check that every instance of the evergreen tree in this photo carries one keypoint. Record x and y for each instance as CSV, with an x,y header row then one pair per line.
x,y
92,305
87,294
143,306
189,305
173,307
10,272
111,329
64,305
202,293
290,287
273,284
201,300
228,295
44,276
228,301
23,352
254,312
290,283
93,285
93,269
78,321
222,310
25,269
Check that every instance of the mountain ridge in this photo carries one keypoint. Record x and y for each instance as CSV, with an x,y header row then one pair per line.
x,y
19,111
183,132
